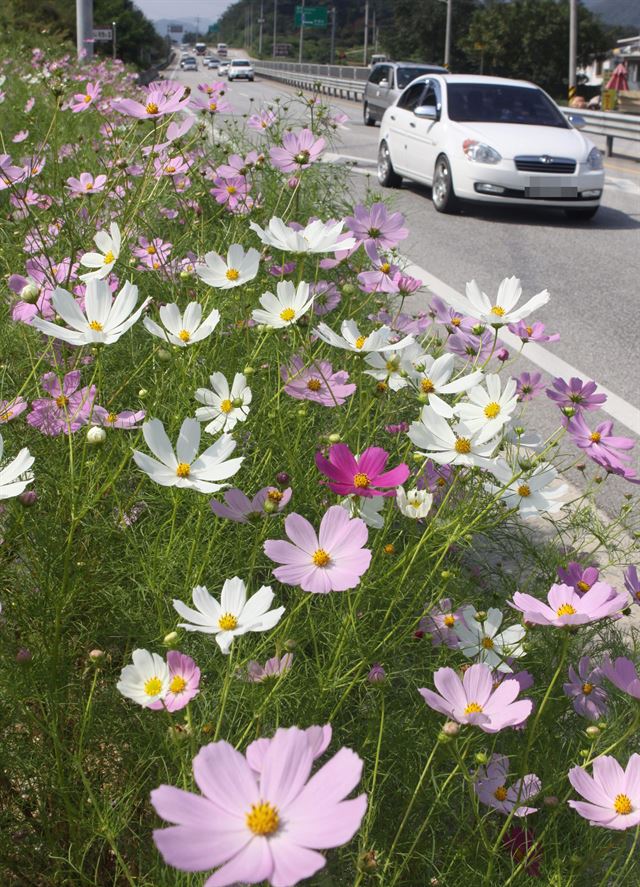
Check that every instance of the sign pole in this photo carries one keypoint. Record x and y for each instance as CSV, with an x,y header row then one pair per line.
x,y
113,47
301,34
275,24
332,55
573,46
84,28
447,37
366,31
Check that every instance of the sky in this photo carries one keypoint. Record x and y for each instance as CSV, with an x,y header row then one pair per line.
x,y
207,9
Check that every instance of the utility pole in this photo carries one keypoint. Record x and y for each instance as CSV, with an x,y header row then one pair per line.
x,y
573,46
275,26
301,33
261,23
332,51
447,37
84,28
113,36
250,28
366,31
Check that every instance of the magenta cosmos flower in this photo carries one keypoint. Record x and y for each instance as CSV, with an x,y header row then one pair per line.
x,y
532,332
363,476
11,409
584,687
622,673
273,668
333,560
376,225
67,408
265,827
299,150
575,394
566,607
83,100
491,788
578,577
158,103
184,680
612,794
318,382
631,580
473,700
440,621
86,184
604,448
127,419
319,739
239,507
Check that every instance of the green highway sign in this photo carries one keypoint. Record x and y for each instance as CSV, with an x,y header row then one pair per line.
x,y
314,16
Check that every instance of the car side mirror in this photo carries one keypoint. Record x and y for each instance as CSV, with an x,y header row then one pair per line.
x,y
384,83
577,121
427,112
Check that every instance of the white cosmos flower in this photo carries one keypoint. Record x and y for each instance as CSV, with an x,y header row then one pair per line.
x,y
185,468
504,309
432,375
104,319
394,367
223,408
103,262
15,476
367,509
437,440
353,340
529,493
286,308
147,680
317,237
480,640
488,409
183,329
233,615
414,503
239,268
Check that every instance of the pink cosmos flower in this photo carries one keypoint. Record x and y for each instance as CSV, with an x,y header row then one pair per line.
x,y
632,583
209,104
567,607
86,184
584,687
299,150
319,739
238,507
612,794
318,382
67,408
158,103
273,668
231,193
532,332
261,121
333,560
9,173
528,386
265,827
362,476
383,278
377,226
604,448
152,253
127,419
579,578
20,136
83,100
170,166
473,700
470,346
183,684
622,674
29,105
575,394
440,621
325,297
11,409
450,318
491,789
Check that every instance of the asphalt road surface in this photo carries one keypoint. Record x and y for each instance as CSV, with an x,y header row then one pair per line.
x,y
592,270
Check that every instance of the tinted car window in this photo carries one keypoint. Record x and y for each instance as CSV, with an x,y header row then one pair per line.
x,y
376,74
404,76
412,97
494,103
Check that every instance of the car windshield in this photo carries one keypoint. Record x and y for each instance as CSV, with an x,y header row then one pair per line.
x,y
241,64
404,76
494,103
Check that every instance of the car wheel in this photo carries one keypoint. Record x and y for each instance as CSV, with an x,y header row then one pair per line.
x,y
251,79
387,176
369,119
581,214
442,192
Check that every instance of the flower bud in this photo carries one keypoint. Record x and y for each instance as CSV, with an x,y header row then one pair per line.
x,y
142,393
184,275
551,801
237,402
170,639
23,655
368,861
96,436
302,412
348,289
248,371
377,674
389,548
269,506
418,458
502,355
334,438
290,645
28,498
481,757
423,398
96,655
30,293
592,731
602,724
480,616
451,728
163,355
418,634
446,574
282,477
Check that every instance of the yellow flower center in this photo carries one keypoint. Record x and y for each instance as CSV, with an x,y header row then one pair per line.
x,y
212,106
587,688
183,469
96,325
87,99
314,384
449,620
88,186
109,257
595,436
389,548
185,335
583,586
112,418
151,250
62,401
565,610
231,189
360,341
500,794
473,708
262,819
463,445
274,495
498,311
385,267
225,406
227,622
4,417
177,684
153,686
487,643
456,321
361,480
321,558
170,168
151,108
492,410
287,314
524,490
232,274
622,805
427,386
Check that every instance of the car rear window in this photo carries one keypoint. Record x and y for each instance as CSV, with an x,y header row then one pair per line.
x,y
240,64
404,76
494,103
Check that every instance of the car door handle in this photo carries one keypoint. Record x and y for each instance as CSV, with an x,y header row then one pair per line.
x,y
392,117
411,123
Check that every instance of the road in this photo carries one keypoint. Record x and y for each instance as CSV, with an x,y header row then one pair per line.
x,y
591,270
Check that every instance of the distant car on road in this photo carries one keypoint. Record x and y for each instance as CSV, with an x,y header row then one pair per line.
x,y
489,139
212,62
189,64
222,50
201,48
223,68
240,69
386,82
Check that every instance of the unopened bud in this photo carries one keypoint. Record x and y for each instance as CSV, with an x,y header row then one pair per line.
x,y
282,477
423,398
30,293
23,655
248,371
170,639
290,644
269,506
377,674
96,436
368,862
334,437
418,458
348,289
502,355
481,757
480,616
551,801
592,731
96,655
450,728
163,355
28,498
142,393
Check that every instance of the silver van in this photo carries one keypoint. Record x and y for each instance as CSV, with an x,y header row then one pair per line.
x,y
386,81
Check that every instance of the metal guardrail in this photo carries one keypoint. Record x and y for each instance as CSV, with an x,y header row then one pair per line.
x,y
349,82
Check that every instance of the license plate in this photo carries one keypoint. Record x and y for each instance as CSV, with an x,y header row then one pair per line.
x,y
551,192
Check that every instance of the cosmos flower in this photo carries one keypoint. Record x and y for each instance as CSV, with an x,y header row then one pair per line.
x,y
532,332
575,394
86,184
491,788
261,121
273,668
147,680
353,340
285,308
612,794
361,476
415,504
631,580
239,268
158,103
377,226
488,409
67,408
238,507
127,419
233,616
606,449
440,622
15,475
183,329
529,493
299,150
103,261
83,100
316,237
318,382
623,674
318,737
224,406
438,441
578,577
528,386
585,689
503,310
11,409
481,639
432,377
566,607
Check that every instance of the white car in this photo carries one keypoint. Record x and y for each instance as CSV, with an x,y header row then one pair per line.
x,y
492,140
240,69
223,67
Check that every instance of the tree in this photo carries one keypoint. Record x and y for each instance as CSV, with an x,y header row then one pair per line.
x,y
416,31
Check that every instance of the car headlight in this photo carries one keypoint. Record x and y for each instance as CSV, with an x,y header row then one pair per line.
x,y
594,160
479,152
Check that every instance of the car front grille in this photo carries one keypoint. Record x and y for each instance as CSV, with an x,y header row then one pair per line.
x,y
546,164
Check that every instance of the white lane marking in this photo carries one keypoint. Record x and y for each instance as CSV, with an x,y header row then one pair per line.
x,y
616,407
622,184
348,158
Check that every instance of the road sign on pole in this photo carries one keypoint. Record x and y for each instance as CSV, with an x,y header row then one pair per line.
x,y
103,35
314,16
